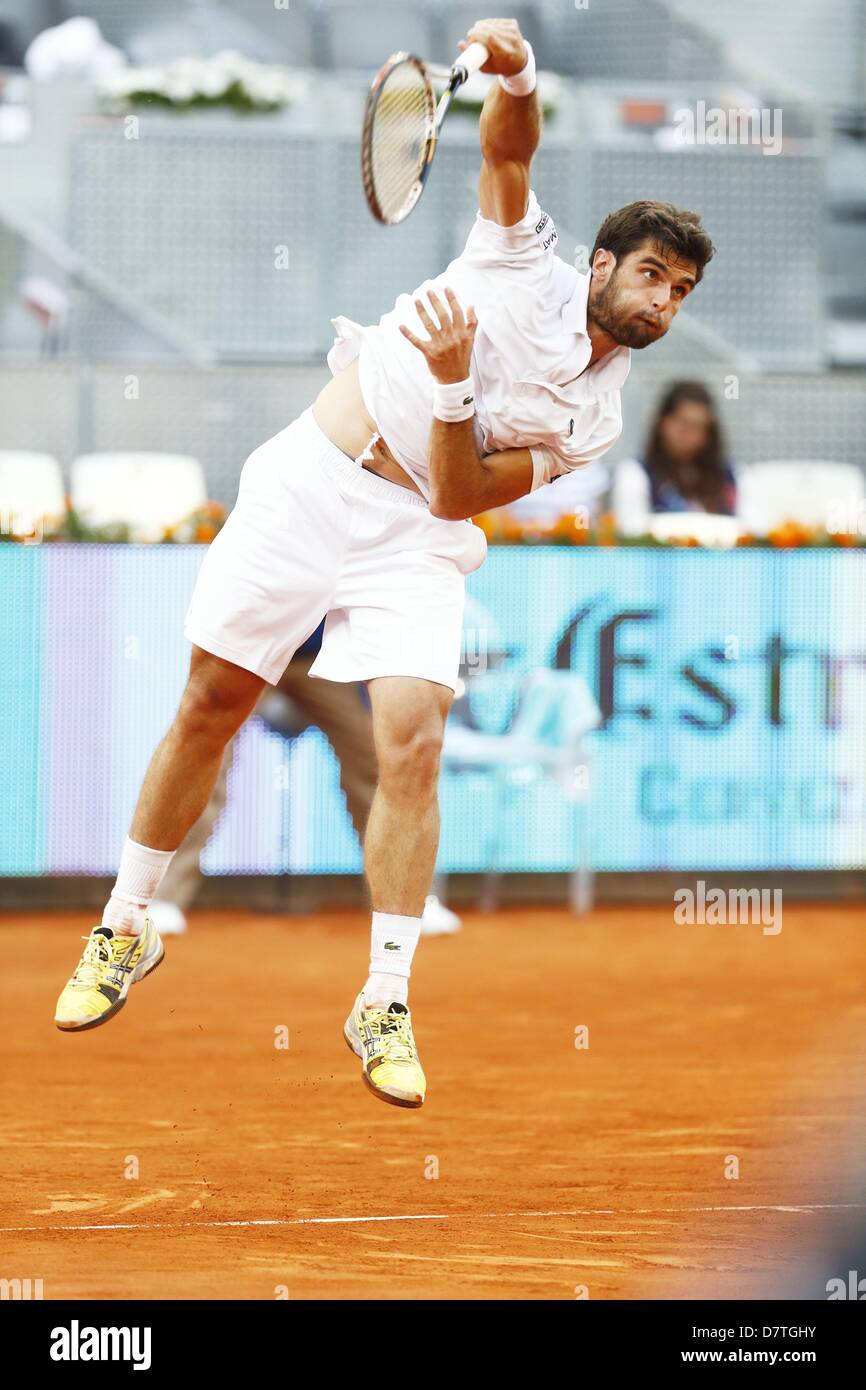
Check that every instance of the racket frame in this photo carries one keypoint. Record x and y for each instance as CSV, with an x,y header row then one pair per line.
x,y
455,76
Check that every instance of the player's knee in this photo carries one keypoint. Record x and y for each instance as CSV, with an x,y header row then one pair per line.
x,y
409,765
217,699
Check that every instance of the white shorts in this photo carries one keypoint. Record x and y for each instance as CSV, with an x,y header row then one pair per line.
x,y
315,533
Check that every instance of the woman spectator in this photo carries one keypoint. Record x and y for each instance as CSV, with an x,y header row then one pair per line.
x,y
683,468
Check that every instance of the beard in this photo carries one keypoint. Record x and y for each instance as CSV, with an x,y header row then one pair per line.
x,y
612,315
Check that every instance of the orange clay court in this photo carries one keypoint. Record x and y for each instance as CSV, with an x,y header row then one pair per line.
x,y
266,1171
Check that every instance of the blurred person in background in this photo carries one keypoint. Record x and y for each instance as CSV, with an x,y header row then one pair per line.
x,y
684,467
296,703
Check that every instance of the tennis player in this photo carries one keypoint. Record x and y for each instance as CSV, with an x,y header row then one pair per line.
x,y
360,510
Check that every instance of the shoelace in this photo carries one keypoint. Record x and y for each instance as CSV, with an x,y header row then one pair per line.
x,y
97,953
395,1029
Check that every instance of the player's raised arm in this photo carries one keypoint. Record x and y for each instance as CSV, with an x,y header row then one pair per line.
x,y
510,124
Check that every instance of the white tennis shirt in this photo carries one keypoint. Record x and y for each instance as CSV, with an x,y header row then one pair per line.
x,y
528,362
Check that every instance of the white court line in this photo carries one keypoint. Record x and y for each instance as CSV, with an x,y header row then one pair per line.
x,y
806,1208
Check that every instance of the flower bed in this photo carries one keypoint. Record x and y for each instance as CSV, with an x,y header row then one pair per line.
x,y
226,80
502,529
199,527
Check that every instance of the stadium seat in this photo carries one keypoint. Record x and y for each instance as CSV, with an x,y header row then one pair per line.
x,y
808,492
546,738
147,492
31,492
707,528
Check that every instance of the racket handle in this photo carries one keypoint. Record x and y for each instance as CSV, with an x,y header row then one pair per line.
x,y
470,60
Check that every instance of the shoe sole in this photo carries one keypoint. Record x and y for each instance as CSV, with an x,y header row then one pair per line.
x,y
379,1094
115,1008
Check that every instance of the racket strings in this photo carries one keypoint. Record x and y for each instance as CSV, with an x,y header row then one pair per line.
x,y
399,135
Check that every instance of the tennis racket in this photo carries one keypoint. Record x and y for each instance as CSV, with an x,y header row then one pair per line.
x,y
401,128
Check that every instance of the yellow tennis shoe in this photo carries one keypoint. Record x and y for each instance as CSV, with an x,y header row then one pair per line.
x,y
383,1039
109,965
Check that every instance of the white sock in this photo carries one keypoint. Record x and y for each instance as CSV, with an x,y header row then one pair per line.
x,y
393,942
138,878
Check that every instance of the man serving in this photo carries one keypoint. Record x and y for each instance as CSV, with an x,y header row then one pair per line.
x,y
360,510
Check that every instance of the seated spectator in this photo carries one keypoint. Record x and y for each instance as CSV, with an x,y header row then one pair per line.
x,y
683,468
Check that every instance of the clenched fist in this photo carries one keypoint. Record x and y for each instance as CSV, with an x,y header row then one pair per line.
x,y
448,350
504,41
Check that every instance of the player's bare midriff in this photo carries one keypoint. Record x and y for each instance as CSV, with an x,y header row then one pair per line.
x,y
340,413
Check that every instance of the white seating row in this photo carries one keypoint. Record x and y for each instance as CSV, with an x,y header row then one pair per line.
x,y
146,491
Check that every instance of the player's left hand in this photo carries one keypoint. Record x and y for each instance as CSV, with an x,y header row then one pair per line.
x,y
503,39
449,348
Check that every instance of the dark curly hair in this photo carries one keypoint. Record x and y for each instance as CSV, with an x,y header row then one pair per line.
x,y
676,229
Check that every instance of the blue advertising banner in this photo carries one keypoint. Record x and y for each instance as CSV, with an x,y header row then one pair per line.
x,y
731,686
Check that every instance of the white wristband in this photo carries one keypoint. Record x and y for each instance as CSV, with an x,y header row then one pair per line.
x,y
523,82
454,400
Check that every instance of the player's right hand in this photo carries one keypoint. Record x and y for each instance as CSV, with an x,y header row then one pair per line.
x,y
504,41
449,348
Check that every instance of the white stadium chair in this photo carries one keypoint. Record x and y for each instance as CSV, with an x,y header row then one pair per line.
x,y
147,492
32,498
810,492
707,528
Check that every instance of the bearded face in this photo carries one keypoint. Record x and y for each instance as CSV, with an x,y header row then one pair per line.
x,y
637,302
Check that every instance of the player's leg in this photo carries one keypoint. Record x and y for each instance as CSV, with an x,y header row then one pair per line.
x,y
126,947
395,622
263,586
177,786
179,781
180,887
183,877
182,882
400,847
403,830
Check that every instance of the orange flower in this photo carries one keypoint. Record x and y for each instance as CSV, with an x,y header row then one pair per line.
x,y
787,536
